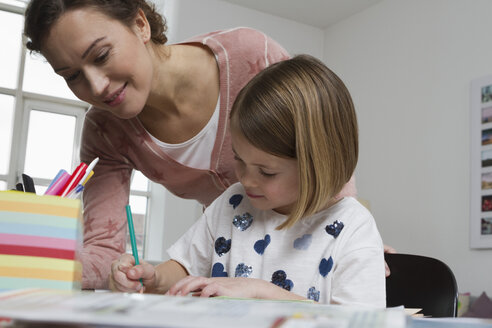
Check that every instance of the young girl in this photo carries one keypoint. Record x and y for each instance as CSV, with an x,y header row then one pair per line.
x,y
280,233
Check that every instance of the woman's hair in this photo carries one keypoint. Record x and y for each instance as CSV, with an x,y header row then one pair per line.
x,y
41,15
300,109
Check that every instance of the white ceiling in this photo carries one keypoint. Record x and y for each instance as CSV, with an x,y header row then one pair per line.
x,y
318,13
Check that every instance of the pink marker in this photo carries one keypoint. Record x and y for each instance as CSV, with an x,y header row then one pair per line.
x,y
58,185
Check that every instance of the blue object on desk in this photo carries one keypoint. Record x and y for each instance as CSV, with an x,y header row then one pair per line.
x,y
448,323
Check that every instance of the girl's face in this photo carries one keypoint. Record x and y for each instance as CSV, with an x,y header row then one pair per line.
x,y
103,61
270,182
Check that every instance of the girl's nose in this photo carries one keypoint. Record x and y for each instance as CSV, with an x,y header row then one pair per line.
x,y
246,178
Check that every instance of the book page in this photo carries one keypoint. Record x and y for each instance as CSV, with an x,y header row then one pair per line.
x,y
130,310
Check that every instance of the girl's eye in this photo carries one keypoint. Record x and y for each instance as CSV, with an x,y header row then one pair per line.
x,y
268,175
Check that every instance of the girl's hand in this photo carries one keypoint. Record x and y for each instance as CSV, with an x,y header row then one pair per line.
x,y
207,287
125,276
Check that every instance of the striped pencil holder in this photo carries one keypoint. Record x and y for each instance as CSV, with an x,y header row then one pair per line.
x,y
40,239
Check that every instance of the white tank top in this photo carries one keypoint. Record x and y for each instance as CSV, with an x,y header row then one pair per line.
x,y
197,151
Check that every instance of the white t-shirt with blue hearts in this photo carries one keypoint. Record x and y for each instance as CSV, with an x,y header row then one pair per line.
x,y
334,256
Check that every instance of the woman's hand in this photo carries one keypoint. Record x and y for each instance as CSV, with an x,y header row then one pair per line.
x,y
125,275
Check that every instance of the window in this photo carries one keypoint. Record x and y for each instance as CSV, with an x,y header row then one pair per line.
x,y
41,122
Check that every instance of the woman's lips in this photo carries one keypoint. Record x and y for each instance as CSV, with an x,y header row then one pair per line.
x,y
117,98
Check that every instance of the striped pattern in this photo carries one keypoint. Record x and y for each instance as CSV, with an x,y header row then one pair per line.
x,y
39,240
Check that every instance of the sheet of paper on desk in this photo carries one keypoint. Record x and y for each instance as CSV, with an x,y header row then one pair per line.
x,y
130,310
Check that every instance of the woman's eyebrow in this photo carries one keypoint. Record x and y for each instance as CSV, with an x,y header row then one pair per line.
x,y
93,44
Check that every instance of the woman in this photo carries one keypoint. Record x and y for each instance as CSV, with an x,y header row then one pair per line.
x,y
157,108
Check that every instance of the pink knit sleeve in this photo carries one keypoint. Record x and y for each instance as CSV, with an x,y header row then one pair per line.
x,y
104,198
275,51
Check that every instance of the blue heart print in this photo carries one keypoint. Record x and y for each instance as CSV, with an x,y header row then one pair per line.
x,y
279,278
262,244
335,228
325,266
242,270
313,294
222,246
218,270
242,222
303,242
235,200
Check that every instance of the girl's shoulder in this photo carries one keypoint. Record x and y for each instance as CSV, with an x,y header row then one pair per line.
x,y
232,197
347,212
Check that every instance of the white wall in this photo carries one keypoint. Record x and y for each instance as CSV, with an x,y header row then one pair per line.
x,y
193,17
408,65
187,18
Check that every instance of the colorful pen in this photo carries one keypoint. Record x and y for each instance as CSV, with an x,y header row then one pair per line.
x,y
89,170
75,192
58,185
74,179
58,175
87,179
131,231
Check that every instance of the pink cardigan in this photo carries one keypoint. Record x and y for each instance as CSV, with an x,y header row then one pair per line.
x,y
123,145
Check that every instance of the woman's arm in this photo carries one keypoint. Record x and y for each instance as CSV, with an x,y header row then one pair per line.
x,y
105,196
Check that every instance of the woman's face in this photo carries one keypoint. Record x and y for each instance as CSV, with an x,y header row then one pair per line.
x,y
103,61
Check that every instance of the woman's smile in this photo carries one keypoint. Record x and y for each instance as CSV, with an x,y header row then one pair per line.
x,y
117,97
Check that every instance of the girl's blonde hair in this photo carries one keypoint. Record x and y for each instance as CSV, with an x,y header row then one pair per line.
x,y
300,109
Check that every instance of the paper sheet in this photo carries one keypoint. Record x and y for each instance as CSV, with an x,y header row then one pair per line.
x,y
130,310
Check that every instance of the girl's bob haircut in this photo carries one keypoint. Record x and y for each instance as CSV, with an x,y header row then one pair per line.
x,y
300,109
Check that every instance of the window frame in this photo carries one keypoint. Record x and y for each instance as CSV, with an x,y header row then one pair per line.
x,y
49,105
162,206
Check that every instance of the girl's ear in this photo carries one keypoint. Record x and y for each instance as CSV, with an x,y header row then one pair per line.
x,y
142,27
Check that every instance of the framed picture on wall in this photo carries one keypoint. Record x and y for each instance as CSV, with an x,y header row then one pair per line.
x,y
481,163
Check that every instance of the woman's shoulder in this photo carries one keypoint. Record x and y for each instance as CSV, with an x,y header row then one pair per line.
x,y
232,33
245,41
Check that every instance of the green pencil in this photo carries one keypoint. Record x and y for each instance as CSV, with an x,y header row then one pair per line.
x,y
131,230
